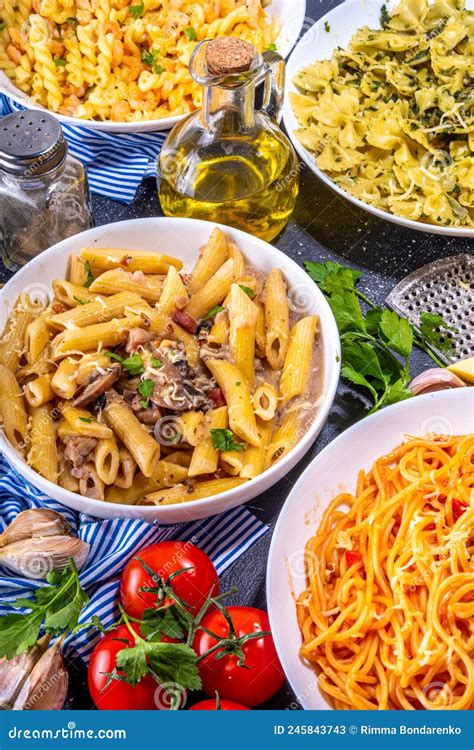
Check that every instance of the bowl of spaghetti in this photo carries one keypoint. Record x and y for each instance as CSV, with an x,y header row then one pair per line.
x,y
122,65
380,108
370,575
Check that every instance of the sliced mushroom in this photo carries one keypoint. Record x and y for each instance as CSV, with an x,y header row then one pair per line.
x,y
97,385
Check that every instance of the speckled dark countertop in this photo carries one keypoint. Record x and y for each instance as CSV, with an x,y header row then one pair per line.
x,y
323,227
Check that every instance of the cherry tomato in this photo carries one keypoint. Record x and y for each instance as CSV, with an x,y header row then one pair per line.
x,y
165,558
119,695
353,558
458,509
211,705
262,675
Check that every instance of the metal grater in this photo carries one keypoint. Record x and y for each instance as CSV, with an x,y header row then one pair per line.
x,y
445,287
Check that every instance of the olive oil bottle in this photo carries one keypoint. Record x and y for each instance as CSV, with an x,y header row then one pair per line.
x,y
228,163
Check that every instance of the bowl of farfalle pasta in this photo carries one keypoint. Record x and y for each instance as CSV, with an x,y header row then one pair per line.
x,y
162,368
122,65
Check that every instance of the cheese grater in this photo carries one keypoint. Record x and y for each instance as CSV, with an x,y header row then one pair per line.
x,y
445,287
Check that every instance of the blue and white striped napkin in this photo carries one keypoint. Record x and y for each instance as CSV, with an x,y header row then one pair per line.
x,y
116,163
113,542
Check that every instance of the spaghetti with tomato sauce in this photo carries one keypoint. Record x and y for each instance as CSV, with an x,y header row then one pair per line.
x,y
387,618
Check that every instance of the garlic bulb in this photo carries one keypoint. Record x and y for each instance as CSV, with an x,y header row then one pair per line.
x,y
435,379
35,558
37,522
39,541
13,672
45,687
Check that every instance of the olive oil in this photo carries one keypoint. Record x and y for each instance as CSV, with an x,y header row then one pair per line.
x,y
228,163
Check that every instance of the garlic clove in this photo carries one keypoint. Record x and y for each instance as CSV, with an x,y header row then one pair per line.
x,y
45,688
37,522
13,672
36,557
435,379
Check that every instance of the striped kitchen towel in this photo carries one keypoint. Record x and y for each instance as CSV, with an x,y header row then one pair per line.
x,y
112,543
116,163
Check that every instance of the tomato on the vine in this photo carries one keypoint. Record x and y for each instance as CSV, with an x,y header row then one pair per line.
x,y
116,694
194,586
211,705
260,678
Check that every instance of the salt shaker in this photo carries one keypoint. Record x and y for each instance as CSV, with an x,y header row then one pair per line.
x,y
44,194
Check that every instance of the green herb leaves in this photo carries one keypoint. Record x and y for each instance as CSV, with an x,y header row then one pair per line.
x,y
433,332
190,33
212,312
168,662
136,11
150,57
223,440
56,606
145,389
375,345
133,364
90,276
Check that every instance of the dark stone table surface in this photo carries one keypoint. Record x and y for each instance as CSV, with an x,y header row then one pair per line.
x,y
323,227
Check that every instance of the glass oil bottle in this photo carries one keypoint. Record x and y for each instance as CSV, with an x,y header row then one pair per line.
x,y
228,163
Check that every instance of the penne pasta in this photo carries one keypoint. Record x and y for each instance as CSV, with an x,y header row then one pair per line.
x,y
260,331
77,271
237,257
43,453
63,381
145,261
65,478
39,391
242,323
276,319
232,462
98,337
184,493
284,438
126,470
254,458
167,474
15,420
205,457
112,282
106,459
212,256
73,295
296,369
213,291
97,311
191,427
129,495
38,335
83,423
173,293
144,449
237,396
265,401
219,333
13,344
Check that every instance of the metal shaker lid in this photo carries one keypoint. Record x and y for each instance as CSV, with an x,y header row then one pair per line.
x,y
31,143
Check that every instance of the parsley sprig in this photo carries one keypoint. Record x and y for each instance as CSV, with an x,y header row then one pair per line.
x,y
224,440
376,346
133,364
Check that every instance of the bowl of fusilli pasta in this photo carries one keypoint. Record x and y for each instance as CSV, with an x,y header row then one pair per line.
x,y
122,65
380,106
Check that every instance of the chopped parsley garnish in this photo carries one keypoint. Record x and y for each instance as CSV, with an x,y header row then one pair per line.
x,y
81,301
248,291
155,362
272,47
213,312
150,57
190,33
136,11
327,27
145,389
88,420
73,21
90,275
60,63
133,364
223,440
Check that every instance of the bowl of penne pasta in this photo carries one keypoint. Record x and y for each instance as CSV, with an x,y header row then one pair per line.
x,y
162,368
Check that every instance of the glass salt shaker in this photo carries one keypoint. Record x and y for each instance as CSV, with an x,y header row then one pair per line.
x,y
44,193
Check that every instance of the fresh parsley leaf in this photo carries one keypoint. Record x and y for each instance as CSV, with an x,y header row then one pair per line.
x,y
168,621
332,277
372,320
136,11
433,329
191,33
168,662
223,440
347,311
72,21
155,362
327,27
272,47
149,56
213,312
56,607
397,392
90,275
133,364
384,17
59,62
363,357
86,419
158,69
397,333
349,373
248,291
145,389
81,301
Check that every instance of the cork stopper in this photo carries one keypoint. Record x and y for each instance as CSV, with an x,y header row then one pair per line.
x,y
227,55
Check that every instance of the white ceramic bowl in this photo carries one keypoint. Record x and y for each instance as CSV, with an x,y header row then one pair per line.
x,y
334,471
181,238
319,44
292,14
